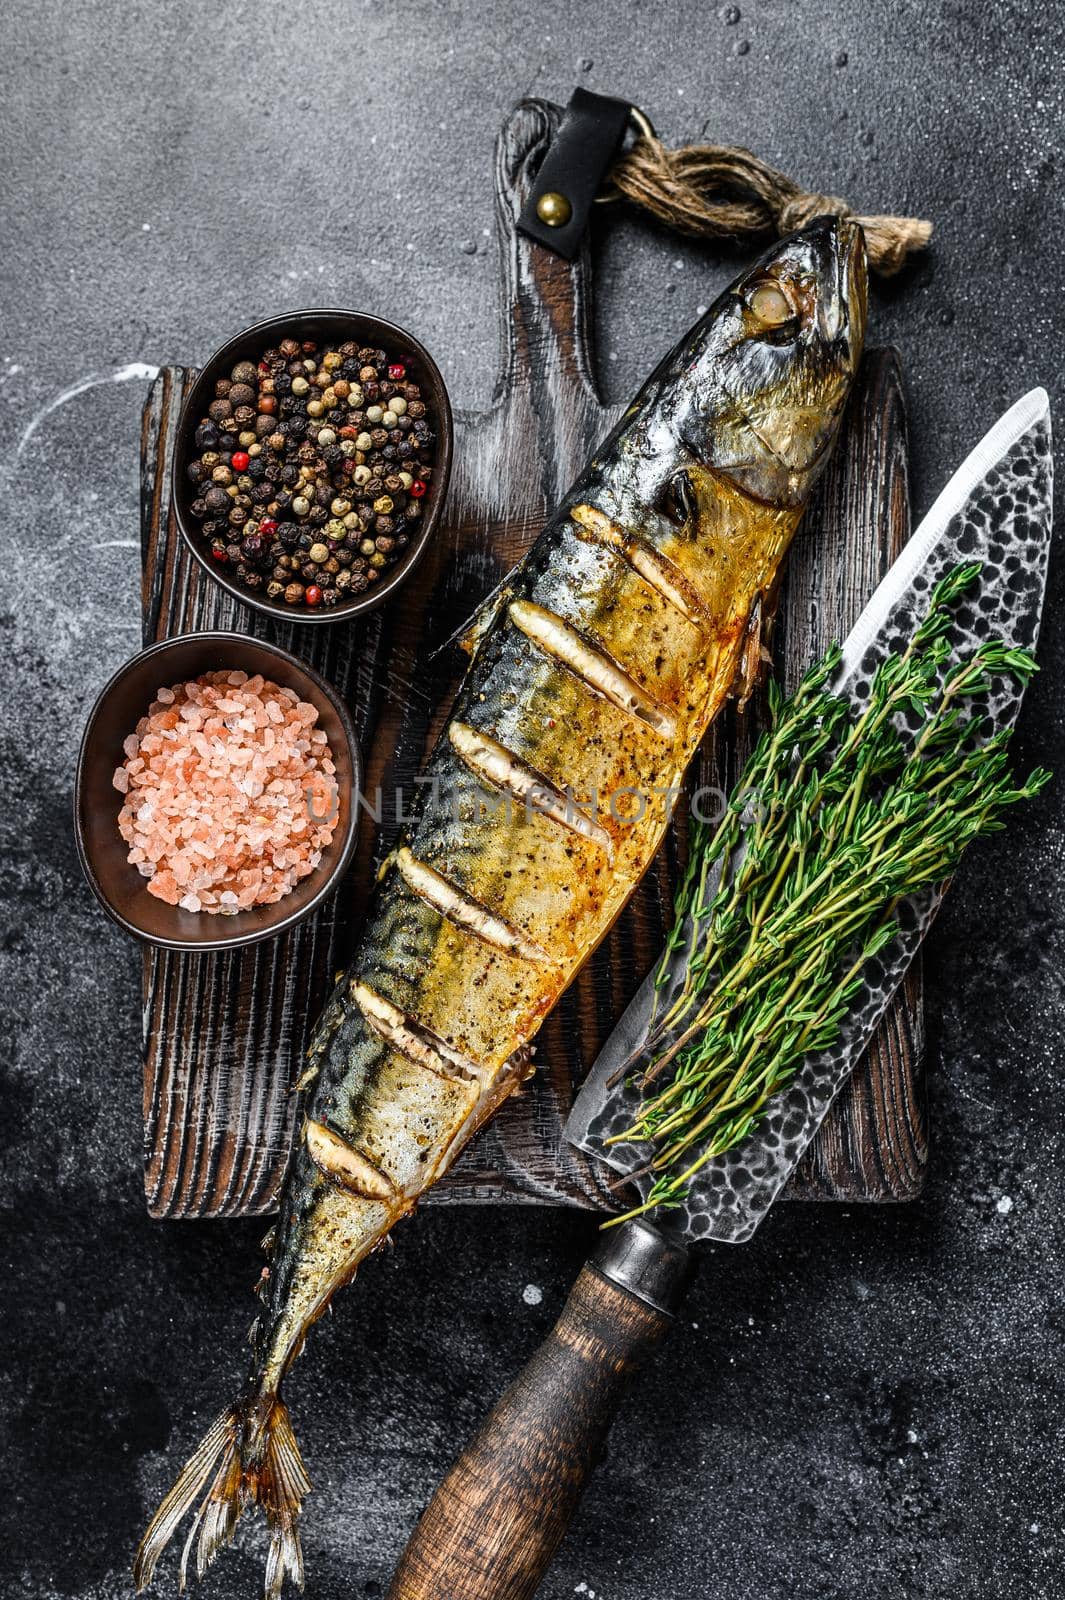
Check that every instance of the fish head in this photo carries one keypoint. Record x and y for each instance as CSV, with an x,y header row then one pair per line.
x,y
774,361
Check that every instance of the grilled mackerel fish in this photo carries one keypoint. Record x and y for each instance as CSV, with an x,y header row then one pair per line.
x,y
597,667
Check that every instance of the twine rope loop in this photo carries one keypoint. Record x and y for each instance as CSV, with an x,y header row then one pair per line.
x,y
719,192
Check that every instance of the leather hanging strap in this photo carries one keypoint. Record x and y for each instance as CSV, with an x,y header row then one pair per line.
x,y
574,170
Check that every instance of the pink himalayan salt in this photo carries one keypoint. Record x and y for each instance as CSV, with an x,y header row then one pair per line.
x,y
229,792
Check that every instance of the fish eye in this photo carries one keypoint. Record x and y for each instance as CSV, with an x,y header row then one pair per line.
x,y
769,303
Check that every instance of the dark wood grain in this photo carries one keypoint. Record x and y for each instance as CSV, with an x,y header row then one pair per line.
x,y
224,1035
494,1523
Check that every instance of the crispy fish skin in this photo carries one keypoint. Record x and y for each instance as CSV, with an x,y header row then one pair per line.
x,y
597,668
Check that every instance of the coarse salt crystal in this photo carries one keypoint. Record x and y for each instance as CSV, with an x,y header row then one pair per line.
x,y
221,767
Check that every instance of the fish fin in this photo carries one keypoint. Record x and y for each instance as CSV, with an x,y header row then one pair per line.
x,y
468,635
248,1458
755,655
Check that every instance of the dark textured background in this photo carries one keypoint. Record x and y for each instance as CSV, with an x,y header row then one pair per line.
x,y
861,1403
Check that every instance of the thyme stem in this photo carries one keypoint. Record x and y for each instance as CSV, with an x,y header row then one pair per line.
x,y
859,812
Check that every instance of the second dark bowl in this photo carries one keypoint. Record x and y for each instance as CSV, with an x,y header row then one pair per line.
x,y
330,326
119,886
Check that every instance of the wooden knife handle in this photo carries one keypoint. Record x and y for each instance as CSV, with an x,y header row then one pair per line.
x,y
493,1525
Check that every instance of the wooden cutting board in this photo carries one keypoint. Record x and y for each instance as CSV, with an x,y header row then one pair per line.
x,y
224,1034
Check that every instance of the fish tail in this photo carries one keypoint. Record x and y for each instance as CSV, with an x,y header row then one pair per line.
x,y
249,1457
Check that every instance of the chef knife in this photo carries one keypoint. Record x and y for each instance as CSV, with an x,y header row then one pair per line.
x,y
494,1523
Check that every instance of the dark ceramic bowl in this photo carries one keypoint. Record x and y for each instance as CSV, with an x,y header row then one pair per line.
x,y
119,886
323,326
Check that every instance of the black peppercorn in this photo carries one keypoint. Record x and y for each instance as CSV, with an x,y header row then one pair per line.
x,y
290,409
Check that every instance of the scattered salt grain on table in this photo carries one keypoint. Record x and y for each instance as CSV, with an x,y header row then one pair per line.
x,y
230,793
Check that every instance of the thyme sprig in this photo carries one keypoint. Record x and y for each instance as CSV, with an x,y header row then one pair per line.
x,y
836,819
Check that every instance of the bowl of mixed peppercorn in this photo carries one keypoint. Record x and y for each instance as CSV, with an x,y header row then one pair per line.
x,y
312,462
